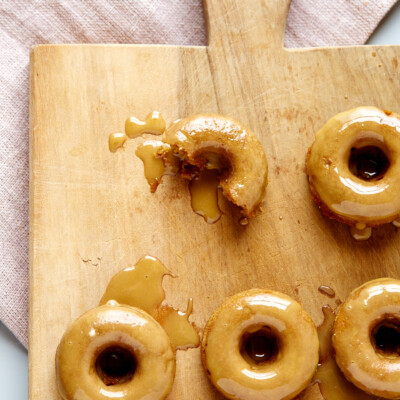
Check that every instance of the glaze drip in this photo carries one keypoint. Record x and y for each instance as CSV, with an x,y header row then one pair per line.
x,y
333,385
116,140
141,286
153,124
243,221
327,291
134,127
204,195
360,234
153,166
194,145
158,160
203,188
138,286
176,324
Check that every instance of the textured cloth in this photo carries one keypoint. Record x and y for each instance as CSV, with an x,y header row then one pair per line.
x,y
30,22
333,22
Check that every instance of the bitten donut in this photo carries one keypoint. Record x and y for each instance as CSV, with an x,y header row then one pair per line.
x,y
115,351
353,167
218,142
260,345
366,338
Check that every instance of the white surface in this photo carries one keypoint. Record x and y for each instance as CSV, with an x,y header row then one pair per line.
x,y
388,31
13,357
13,367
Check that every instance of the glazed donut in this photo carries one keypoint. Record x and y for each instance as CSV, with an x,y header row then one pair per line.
x,y
366,338
217,142
260,345
353,167
115,351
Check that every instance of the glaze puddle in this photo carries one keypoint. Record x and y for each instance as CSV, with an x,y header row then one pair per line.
x,y
153,124
134,127
176,324
327,291
153,167
203,188
141,286
243,221
360,234
116,140
204,195
158,160
332,384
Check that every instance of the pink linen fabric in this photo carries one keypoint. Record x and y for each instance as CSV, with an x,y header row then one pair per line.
x,y
24,23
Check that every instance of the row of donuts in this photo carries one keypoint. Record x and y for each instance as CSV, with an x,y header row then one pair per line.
x,y
353,165
259,344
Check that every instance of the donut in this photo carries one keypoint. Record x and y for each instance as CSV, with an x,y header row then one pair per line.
x,y
217,142
115,351
366,338
260,345
353,167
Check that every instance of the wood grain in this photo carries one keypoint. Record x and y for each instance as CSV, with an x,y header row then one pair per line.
x,y
91,211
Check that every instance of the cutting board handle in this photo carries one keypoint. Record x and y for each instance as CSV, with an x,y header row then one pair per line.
x,y
254,23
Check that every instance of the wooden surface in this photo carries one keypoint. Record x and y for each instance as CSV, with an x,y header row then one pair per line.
x,y
92,213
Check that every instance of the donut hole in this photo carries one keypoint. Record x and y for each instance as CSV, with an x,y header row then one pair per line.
x,y
259,345
385,337
115,365
368,163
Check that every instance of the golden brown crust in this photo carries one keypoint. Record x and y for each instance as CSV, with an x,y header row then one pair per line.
x,y
326,211
338,193
237,377
237,152
108,326
361,362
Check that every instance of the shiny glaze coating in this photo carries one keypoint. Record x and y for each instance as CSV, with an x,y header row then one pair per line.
x,y
339,193
281,378
370,370
197,137
115,325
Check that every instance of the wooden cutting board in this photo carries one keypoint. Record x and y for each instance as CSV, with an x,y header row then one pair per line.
x,y
92,213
